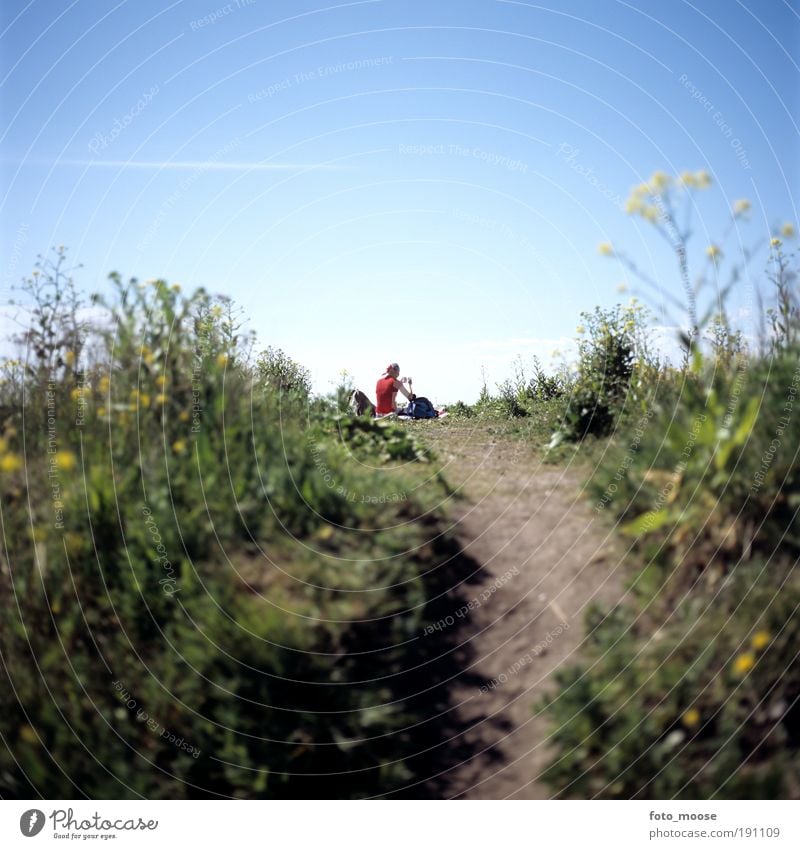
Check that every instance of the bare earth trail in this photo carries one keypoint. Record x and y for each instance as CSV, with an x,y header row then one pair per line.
x,y
544,557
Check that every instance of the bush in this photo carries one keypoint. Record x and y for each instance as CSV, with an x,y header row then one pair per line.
x,y
690,690
713,475
204,591
608,352
698,704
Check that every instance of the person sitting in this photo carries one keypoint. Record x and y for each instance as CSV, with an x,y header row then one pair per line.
x,y
387,388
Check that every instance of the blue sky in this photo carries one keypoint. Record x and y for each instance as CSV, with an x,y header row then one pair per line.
x,y
424,182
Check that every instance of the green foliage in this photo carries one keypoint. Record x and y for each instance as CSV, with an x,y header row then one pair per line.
x,y
205,589
610,347
690,689
700,703
461,410
784,316
280,373
518,397
712,474
388,439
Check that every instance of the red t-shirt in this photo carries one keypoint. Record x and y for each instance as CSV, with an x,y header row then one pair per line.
x,y
385,392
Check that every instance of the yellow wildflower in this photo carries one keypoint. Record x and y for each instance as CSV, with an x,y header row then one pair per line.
x,y
66,461
776,243
741,206
103,384
215,311
688,179
73,542
184,415
176,287
605,249
744,663
134,394
179,446
633,205
580,329
102,412
161,380
691,718
144,399
702,179
69,357
222,360
650,213
659,182
10,463
761,639
160,399
3,445
79,392
787,231
147,355
28,734
640,191
714,252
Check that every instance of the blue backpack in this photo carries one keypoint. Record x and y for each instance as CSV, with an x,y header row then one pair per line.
x,y
420,408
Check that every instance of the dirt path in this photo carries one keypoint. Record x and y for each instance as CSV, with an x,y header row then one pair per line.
x,y
544,557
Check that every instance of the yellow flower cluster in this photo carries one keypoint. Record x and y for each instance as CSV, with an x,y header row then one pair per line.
x,y
658,186
714,252
65,460
787,231
10,463
741,206
744,663
691,718
605,249
695,179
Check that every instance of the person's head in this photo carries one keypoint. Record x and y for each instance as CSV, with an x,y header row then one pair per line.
x,y
393,370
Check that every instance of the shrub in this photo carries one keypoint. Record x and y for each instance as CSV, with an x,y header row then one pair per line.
x,y
282,374
202,594
696,704
711,476
690,688
610,347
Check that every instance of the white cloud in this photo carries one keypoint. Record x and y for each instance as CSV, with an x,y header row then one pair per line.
x,y
196,165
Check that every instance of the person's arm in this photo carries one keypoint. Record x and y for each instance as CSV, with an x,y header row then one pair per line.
x,y
401,387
